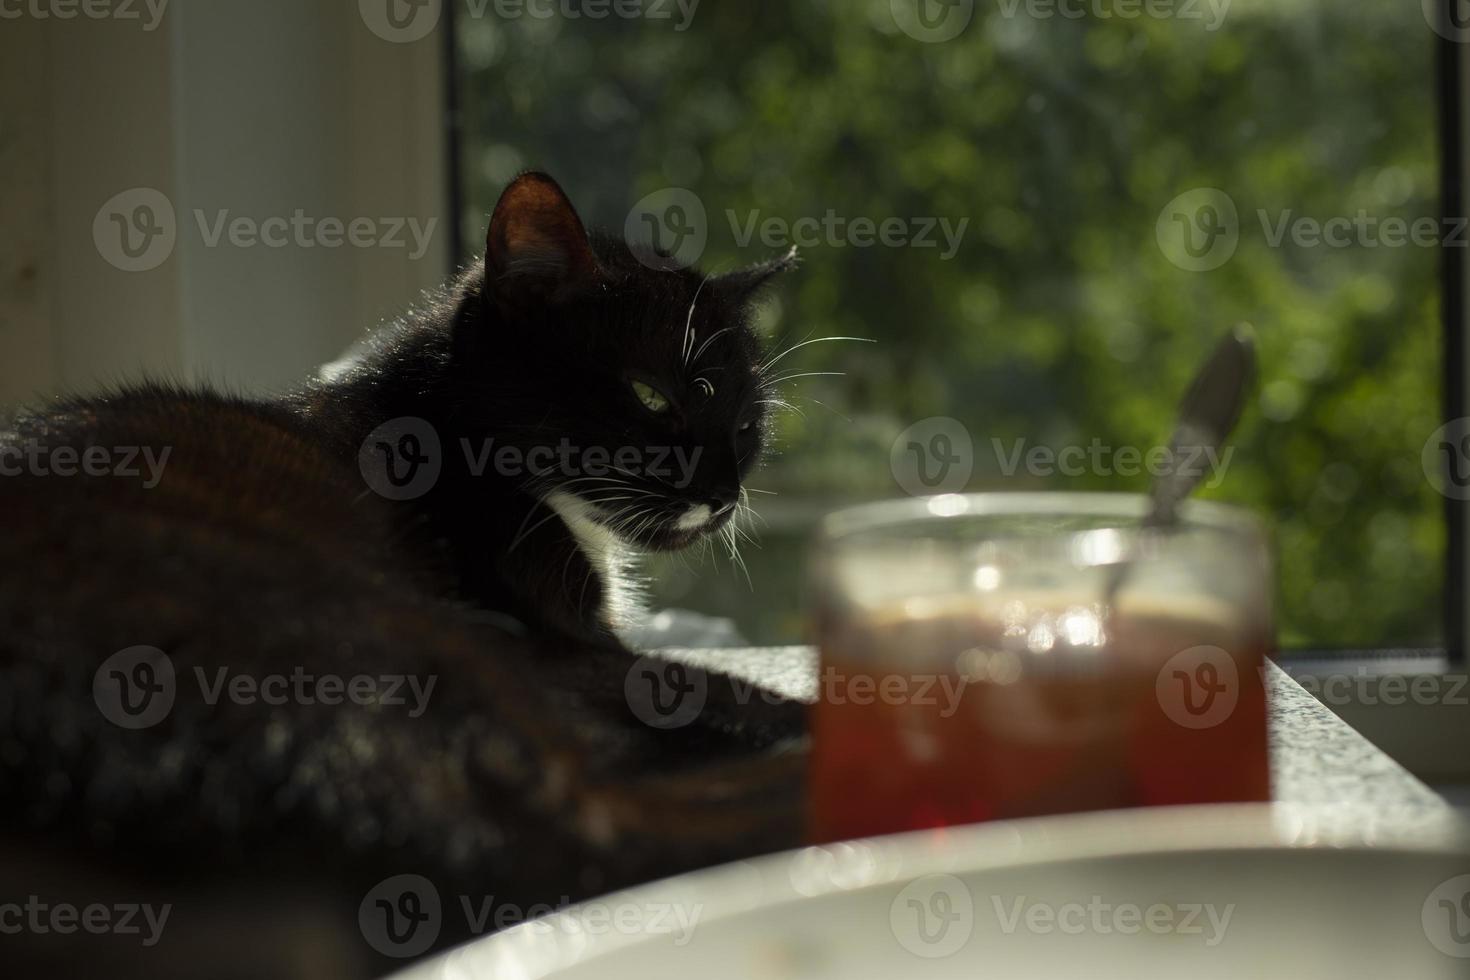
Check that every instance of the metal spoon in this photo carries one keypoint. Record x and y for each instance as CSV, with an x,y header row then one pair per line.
x,y
1206,417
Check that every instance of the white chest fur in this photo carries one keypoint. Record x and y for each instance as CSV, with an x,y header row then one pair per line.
x,y
612,560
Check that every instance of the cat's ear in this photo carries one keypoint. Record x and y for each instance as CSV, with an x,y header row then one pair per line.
x,y
742,284
536,246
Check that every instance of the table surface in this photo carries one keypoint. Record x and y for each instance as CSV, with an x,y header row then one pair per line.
x,y
1316,757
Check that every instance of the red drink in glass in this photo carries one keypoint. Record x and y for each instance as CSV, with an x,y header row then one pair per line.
x,y
950,707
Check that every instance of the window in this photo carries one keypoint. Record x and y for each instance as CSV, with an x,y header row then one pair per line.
x,y
1045,221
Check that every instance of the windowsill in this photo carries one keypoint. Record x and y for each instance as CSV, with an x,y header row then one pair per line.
x,y
1412,704
1317,757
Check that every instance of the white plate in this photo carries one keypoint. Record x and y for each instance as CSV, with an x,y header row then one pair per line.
x,y
1196,892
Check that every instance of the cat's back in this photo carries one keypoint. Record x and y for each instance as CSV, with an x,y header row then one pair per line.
x,y
156,515
211,651
167,478
169,452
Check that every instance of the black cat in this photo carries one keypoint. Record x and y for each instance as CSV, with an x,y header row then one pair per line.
x,y
370,629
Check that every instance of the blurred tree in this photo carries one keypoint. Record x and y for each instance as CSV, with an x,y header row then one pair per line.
x,y
1060,318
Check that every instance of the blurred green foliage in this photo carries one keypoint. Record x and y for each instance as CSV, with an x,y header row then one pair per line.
x,y
1060,319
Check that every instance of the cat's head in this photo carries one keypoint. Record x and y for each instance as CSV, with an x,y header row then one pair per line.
x,y
633,390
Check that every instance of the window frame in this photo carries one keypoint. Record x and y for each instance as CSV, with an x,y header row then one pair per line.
x,y
1452,76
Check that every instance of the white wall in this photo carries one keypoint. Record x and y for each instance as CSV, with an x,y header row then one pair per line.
x,y
256,109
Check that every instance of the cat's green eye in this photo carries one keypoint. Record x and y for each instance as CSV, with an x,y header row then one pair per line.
x,y
651,397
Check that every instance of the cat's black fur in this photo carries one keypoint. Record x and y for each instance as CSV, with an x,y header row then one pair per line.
x,y
267,547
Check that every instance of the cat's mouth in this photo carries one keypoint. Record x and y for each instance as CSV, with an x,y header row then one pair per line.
x,y
680,528
700,520
670,529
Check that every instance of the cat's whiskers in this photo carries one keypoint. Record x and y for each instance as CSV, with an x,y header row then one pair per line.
x,y
660,479
781,404
807,343
728,533
619,488
772,382
742,514
707,341
688,346
746,507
